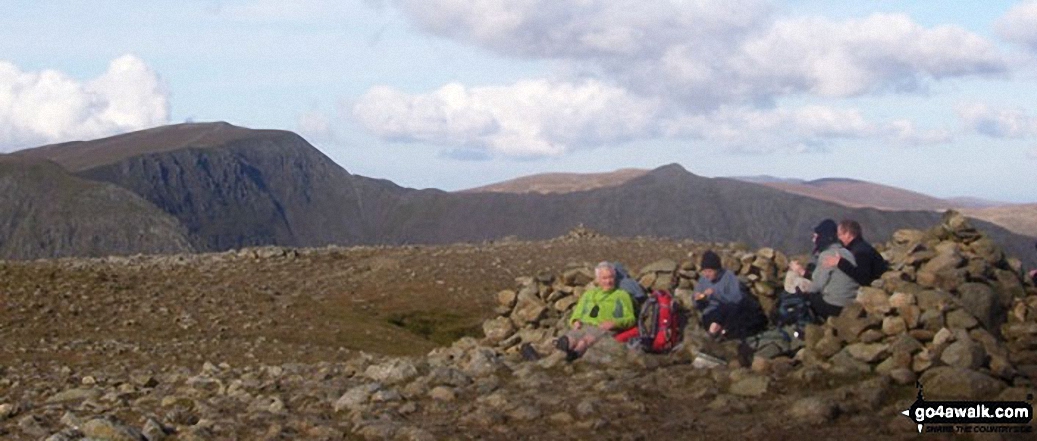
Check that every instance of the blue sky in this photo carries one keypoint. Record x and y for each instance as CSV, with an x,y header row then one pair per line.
x,y
454,94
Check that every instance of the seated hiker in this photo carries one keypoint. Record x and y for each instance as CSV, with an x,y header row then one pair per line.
x,y
830,290
728,309
869,263
600,312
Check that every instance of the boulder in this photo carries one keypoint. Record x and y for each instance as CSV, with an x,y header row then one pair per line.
x,y
874,300
813,410
964,354
853,321
660,266
893,325
933,300
946,259
961,319
578,276
868,352
981,301
901,300
392,372
904,237
507,298
356,397
110,430
498,329
955,383
750,386
528,308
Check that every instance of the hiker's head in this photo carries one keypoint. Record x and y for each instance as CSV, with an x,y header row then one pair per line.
x,y
605,276
848,231
710,265
825,234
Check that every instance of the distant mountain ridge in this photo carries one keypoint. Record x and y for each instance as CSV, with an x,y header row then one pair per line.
x,y
229,187
545,183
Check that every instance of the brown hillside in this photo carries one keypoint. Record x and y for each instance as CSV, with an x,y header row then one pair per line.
x,y
1021,219
545,183
854,193
81,155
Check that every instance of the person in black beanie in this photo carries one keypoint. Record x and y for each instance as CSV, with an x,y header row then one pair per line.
x,y
728,308
829,289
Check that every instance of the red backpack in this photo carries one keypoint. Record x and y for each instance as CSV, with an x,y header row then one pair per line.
x,y
658,322
658,326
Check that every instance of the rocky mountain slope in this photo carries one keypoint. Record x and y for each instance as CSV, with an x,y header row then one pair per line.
x,y
334,343
48,212
232,187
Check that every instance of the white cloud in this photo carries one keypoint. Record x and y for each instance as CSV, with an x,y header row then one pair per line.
x,y
582,28
527,119
1019,25
880,52
997,123
716,67
749,129
905,132
708,53
49,106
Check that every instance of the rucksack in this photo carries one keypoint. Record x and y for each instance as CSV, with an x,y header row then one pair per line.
x,y
772,343
658,323
793,310
629,284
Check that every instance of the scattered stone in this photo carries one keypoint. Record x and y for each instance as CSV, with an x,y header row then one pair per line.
x,y
963,354
868,352
442,393
813,410
875,301
392,372
110,430
750,386
356,397
74,395
954,383
7,410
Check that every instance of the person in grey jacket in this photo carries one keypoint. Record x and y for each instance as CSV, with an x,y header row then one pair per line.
x,y
830,289
728,308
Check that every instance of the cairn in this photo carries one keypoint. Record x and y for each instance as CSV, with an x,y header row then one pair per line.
x,y
952,310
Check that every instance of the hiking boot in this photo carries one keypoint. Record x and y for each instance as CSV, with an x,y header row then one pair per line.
x,y
745,354
562,343
529,353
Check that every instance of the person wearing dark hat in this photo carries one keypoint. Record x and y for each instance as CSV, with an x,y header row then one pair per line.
x,y
829,289
728,309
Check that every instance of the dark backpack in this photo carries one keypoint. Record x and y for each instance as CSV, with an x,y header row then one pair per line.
x,y
658,323
772,343
629,284
793,310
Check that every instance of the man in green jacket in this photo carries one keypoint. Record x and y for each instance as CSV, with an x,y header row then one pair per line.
x,y
601,311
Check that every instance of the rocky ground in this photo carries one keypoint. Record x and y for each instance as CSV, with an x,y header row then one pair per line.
x,y
420,343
